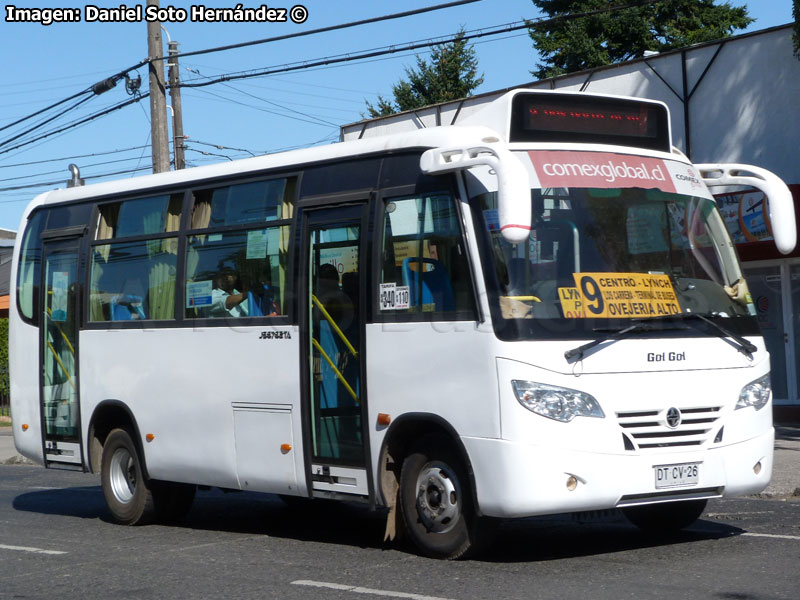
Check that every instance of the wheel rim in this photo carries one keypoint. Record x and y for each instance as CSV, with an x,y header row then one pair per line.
x,y
438,498
123,475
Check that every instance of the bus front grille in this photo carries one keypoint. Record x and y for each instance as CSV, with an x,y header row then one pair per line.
x,y
653,429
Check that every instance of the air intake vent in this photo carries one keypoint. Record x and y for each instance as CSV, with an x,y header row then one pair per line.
x,y
669,428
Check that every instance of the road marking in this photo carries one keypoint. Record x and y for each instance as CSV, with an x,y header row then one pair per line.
x,y
773,535
360,590
27,549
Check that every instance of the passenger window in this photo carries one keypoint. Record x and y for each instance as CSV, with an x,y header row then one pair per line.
x,y
142,216
133,280
243,204
424,263
237,274
30,262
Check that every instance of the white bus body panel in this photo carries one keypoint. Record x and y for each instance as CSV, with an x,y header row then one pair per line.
x,y
204,394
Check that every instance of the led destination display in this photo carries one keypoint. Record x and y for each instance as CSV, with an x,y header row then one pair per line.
x,y
556,118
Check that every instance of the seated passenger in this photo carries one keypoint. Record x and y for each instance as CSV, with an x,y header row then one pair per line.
x,y
226,300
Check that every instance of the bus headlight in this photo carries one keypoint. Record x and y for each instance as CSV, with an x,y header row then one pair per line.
x,y
560,404
755,394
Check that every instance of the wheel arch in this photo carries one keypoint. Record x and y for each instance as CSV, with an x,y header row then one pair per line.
x,y
400,439
108,415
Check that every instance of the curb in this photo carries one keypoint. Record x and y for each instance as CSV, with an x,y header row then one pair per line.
x,y
18,460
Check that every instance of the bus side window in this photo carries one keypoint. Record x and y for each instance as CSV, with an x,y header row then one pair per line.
x,y
28,272
249,267
424,257
135,279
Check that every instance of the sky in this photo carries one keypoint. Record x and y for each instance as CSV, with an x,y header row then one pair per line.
x,y
43,65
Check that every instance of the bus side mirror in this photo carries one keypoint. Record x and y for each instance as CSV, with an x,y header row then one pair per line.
x,y
779,198
513,184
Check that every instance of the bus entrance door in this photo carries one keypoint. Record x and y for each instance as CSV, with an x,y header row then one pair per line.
x,y
333,349
60,319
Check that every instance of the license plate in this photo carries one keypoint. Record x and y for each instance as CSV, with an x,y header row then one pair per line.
x,y
668,476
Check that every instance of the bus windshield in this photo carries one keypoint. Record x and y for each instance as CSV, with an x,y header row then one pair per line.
x,y
613,253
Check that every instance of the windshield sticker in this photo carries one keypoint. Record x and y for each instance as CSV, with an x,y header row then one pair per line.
x,y
619,296
571,303
492,218
608,170
393,296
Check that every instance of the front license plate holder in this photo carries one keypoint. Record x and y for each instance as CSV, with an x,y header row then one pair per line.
x,y
677,475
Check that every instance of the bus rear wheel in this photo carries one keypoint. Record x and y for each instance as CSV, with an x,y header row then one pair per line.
x,y
435,502
665,517
128,495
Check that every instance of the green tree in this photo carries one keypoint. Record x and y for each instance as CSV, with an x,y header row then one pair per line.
x,y
569,43
452,73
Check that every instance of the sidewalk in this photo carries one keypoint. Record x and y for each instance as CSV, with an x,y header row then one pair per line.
x,y
785,473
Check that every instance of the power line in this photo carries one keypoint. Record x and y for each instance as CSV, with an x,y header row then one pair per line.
x,y
325,61
80,122
124,72
61,181
88,166
350,57
48,120
280,38
63,158
300,66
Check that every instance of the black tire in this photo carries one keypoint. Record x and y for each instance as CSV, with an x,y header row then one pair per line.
x,y
172,500
436,502
128,495
666,517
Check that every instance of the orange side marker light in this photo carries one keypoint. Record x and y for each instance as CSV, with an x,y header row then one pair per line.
x,y
384,419
149,437
24,427
286,448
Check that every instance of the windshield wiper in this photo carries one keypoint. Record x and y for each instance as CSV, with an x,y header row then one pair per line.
x,y
613,334
742,345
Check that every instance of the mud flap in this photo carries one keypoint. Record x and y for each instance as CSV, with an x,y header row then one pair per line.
x,y
390,484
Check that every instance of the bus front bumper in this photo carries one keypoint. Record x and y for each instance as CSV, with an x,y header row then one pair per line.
x,y
521,480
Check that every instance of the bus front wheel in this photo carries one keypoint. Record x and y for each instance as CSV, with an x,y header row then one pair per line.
x,y
127,493
435,501
665,517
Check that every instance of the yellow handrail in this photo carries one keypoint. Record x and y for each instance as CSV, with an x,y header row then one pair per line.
x,y
333,324
49,313
335,370
61,364
61,331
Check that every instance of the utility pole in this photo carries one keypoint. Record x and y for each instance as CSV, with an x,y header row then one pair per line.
x,y
158,104
177,114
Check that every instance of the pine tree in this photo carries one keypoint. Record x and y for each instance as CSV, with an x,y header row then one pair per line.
x,y
452,73
568,43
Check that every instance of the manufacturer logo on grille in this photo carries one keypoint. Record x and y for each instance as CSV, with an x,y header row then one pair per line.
x,y
673,418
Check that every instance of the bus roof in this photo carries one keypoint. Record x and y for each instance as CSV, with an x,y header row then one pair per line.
x,y
425,138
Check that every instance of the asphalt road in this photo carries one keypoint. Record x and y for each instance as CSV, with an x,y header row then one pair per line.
x,y
56,542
